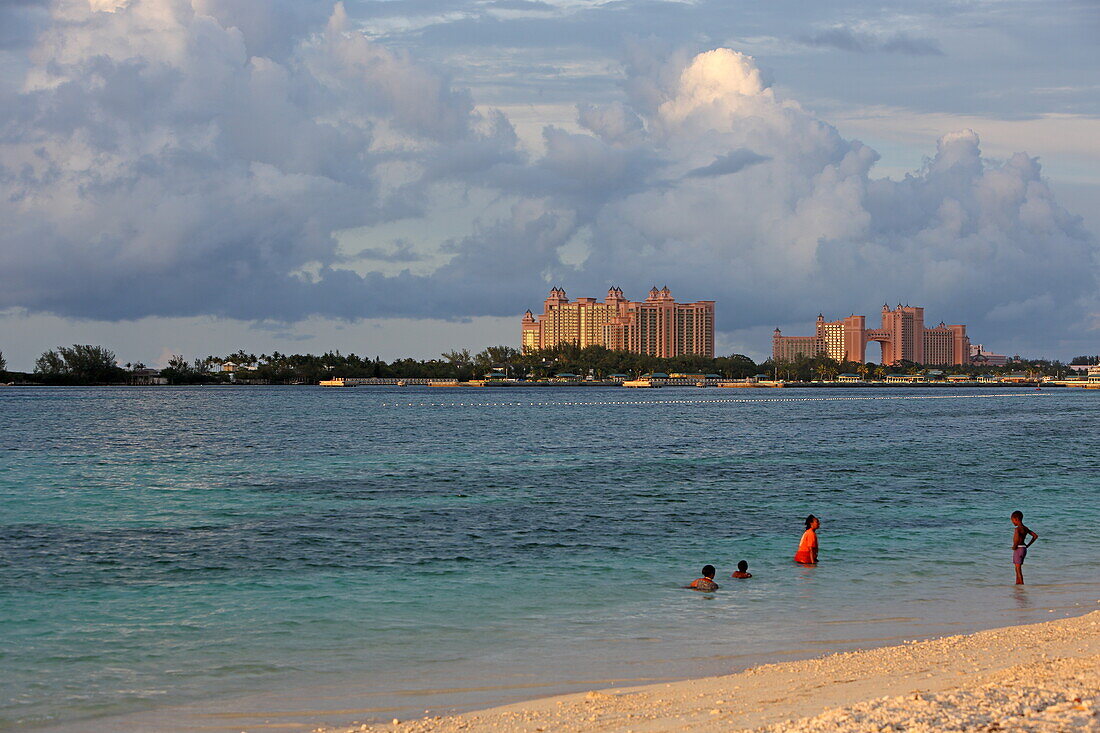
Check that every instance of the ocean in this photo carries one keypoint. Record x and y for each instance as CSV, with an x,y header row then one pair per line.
x,y
220,557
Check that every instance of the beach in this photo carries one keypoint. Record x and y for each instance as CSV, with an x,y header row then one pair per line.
x,y
1036,677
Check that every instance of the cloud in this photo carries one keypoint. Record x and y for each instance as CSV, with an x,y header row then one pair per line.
x,y
724,165
528,5
970,238
20,20
153,166
269,28
401,251
614,123
194,158
859,41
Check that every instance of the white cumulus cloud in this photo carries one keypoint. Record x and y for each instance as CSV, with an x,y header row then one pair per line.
x,y
191,157
152,165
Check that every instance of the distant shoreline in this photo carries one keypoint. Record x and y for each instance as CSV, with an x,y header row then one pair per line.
x,y
573,385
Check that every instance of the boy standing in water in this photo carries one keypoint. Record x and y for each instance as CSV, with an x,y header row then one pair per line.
x,y
1019,545
807,546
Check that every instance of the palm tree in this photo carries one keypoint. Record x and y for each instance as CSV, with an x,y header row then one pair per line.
x,y
457,357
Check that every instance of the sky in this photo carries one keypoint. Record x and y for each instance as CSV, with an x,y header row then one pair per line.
x,y
406,177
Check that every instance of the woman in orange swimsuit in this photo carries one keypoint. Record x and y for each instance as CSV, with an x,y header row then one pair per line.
x,y
807,547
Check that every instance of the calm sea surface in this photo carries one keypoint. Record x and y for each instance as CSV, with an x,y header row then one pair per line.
x,y
329,555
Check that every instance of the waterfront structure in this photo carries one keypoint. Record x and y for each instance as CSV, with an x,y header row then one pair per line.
x,y
978,355
147,377
902,337
657,326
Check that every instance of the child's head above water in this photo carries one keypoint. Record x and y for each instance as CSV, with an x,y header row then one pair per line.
x,y
705,583
742,566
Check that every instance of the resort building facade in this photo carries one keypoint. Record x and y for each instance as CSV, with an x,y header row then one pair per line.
x,y
978,355
902,337
657,326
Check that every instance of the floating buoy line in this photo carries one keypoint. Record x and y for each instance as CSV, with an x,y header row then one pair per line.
x,y
741,400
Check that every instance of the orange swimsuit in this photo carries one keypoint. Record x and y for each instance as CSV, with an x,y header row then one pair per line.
x,y
806,547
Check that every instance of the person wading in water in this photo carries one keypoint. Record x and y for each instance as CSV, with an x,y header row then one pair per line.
x,y
807,547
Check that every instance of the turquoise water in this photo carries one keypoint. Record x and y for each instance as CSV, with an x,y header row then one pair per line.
x,y
388,549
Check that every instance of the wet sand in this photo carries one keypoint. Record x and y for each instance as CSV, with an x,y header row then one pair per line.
x,y
1038,677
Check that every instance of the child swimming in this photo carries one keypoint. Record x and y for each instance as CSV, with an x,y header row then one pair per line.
x,y
742,570
705,583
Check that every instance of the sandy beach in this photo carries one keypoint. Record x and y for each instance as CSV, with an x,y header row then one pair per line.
x,y
1039,677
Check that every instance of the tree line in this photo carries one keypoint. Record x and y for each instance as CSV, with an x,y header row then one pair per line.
x,y
462,365
821,367
86,364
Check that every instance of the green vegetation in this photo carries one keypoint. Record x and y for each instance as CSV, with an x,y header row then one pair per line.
x,y
462,365
96,365
179,371
595,361
79,364
599,362
807,369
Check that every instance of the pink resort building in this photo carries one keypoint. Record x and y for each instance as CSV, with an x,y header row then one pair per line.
x,y
902,337
978,355
658,325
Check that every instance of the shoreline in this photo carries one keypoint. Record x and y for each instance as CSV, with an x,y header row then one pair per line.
x,y
454,702
1046,675
1031,384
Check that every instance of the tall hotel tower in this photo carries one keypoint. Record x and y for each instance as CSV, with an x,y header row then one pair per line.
x,y
903,337
658,326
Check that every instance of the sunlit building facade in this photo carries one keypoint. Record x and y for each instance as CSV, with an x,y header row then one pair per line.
x,y
979,355
657,326
902,337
